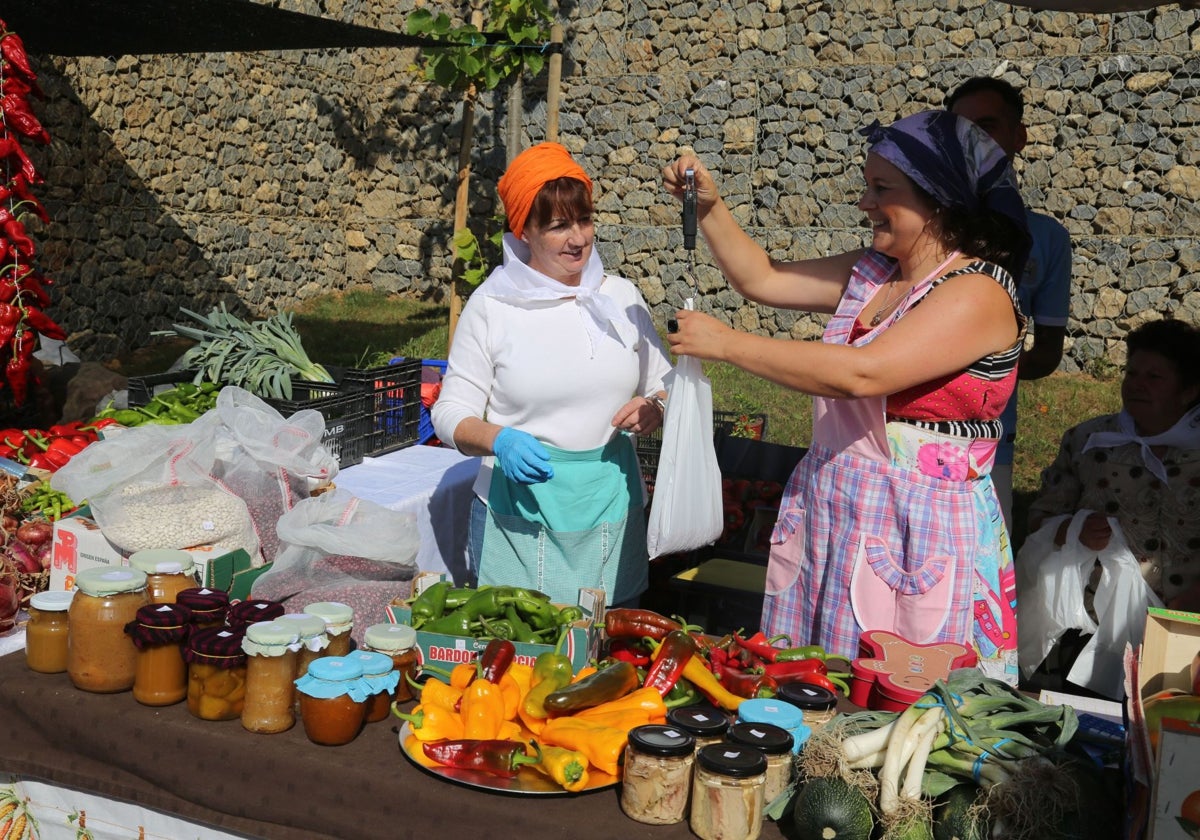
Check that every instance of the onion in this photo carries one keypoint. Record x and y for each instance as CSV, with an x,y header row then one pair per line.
x,y
45,554
23,558
35,532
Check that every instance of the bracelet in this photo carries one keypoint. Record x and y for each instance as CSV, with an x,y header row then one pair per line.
x,y
659,403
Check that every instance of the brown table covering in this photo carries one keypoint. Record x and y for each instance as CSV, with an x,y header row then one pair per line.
x,y
271,786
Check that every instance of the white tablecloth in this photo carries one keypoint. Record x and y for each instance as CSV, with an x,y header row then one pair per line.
x,y
432,482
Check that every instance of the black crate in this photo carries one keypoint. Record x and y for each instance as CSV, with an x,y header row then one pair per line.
x,y
725,423
392,403
346,421
141,389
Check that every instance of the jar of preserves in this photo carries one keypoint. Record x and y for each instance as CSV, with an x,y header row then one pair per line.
x,y
339,624
779,713
381,678
271,648
158,633
169,571
252,611
333,700
100,656
705,723
399,641
313,639
208,606
216,673
776,744
727,793
657,777
817,703
46,632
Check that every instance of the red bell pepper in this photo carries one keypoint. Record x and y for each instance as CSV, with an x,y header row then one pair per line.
x,y
496,757
795,666
809,678
745,684
625,651
670,659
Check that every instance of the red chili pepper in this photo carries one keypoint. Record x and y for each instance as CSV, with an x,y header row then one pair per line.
x,y
629,623
9,147
20,118
795,666
44,324
499,758
625,651
20,188
495,659
13,50
672,657
745,684
16,371
808,678
759,645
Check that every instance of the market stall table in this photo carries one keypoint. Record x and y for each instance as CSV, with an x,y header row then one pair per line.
x,y
270,786
432,482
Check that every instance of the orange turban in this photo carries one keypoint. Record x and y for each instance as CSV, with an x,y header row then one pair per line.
x,y
528,173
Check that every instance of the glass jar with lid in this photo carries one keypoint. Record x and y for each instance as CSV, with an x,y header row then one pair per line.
x,y
271,649
208,606
251,611
100,656
381,678
704,722
777,712
657,777
339,624
817,703
169,571
313,639
727,792
775,743
399,641
46,632
333,700
216,673
158,632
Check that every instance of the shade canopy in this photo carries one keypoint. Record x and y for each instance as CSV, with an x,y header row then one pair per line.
x,y
153,27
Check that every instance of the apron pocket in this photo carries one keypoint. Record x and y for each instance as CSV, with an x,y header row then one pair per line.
x,y
783,565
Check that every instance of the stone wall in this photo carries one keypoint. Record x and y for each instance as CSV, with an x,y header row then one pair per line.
x,y
263,179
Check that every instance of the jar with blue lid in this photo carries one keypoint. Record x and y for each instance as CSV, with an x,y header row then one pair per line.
x,y
775,743
333,700
779,713
381,675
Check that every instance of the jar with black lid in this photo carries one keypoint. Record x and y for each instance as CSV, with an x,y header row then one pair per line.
x,y
251,612
657,775
161,674
727,792
208,606
703,722
776,743
817,703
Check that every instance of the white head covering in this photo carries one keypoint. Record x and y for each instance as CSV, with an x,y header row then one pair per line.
x,y
517,284
1185,434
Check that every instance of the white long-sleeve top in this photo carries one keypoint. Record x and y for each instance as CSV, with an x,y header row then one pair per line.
x,y
536,366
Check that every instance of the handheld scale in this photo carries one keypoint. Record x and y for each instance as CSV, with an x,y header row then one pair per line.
x,y
689,222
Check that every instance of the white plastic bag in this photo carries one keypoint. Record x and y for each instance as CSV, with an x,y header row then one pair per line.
x,y
686,511
1051,582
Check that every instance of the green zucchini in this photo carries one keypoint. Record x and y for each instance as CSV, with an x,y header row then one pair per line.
x,y
830,808
953,818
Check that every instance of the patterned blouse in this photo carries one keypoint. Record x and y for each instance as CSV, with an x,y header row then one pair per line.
x,y
1161,522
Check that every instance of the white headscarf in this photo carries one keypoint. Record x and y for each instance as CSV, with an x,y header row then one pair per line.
x,y
517,284
1185,434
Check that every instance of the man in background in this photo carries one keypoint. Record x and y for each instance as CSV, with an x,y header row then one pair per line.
x,y
1044,288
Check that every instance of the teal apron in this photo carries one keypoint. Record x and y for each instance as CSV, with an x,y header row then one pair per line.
x,y
583,527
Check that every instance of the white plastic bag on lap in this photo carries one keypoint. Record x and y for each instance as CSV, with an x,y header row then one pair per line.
x,y
686,511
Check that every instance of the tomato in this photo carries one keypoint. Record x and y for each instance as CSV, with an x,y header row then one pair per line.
x,y
1190,808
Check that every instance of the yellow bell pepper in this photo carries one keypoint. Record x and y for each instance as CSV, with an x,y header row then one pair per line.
x,y
436,691
603,745
462,674
482,710
643,699
432,722
569,768
623,719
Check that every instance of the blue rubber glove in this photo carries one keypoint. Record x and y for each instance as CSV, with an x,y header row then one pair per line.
x,y
522,458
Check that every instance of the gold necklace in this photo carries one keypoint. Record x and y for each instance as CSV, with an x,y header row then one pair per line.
x,y
887,304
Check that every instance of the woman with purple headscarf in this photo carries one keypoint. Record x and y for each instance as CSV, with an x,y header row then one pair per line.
x,y
890,522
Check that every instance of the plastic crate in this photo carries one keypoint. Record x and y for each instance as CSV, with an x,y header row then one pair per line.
x,y
392,403
347,425
724,423
432,371
141,389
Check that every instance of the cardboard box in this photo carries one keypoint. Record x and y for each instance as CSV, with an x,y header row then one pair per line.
x,y
229,571
1175,813
78,544
581,645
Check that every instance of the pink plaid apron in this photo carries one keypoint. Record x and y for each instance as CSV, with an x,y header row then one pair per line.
x,y
868,540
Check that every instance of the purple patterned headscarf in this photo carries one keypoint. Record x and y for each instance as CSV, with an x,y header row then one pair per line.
x,y
954,161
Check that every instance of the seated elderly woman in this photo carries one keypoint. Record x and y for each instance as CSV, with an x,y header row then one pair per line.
x,y
1140,467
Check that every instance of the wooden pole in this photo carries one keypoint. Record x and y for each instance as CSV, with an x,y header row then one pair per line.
x,y
554,84
462,196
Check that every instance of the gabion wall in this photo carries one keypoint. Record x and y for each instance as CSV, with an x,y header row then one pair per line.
x,y
263,179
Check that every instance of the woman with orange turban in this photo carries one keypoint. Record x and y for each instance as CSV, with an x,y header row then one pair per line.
x,y
553,362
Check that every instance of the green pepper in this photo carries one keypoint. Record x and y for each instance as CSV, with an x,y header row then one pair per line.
x,y
540,614
430,604
569,615
522,632
486,603
803,652
129,417
683,693
181,412
457,596
607,684
551,671
497,628
452,624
